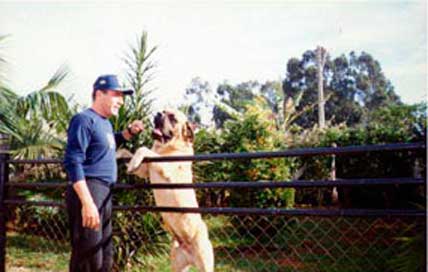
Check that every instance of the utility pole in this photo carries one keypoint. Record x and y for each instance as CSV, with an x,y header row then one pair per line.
x,y
321,58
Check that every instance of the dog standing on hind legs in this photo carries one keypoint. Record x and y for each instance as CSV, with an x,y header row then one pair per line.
x,y
173,135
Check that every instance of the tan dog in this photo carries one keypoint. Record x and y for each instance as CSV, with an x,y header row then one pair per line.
x,y
174,136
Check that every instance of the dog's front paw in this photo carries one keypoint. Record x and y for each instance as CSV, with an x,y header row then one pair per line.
x,y
123,154
134,163
138,158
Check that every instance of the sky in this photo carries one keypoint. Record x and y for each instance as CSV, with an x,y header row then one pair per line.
x,y
235,41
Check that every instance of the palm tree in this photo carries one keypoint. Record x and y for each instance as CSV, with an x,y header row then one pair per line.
x,y
35,123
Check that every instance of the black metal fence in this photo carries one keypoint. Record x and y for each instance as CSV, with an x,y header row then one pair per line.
x,y
245,239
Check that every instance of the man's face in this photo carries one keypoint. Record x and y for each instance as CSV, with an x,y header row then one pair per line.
x,y
110,102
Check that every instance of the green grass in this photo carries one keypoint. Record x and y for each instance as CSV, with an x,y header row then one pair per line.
x,y
293,251
32,253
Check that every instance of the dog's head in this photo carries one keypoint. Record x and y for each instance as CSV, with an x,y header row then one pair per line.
x,y
172,125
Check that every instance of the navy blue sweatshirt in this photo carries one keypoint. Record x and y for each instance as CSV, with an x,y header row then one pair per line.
x,y
91,148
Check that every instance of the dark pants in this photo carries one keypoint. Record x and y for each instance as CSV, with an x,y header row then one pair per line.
x,y
92,250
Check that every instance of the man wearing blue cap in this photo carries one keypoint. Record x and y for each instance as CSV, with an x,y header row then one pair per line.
x,y
91,166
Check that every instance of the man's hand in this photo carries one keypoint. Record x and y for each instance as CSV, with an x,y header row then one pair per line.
x,y
136,126
90,216
133,129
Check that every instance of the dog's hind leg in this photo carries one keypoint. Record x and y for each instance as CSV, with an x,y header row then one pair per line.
x,y
180,259
203,250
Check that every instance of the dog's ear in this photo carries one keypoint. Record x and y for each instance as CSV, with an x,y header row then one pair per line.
x,y
187,132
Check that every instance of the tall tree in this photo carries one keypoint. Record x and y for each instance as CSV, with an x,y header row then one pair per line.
x,y
355,84
200,100
233,98
207,108
229,101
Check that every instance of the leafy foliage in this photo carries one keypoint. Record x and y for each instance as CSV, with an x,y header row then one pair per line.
x,y
412,256
144,234
393,124
355,83
208,108
200,100
36,122
254,131
138,106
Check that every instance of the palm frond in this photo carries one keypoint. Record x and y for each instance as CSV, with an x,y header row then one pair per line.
x,y
9,124
138,75
36,140
46,102
36,122
60,74
7,97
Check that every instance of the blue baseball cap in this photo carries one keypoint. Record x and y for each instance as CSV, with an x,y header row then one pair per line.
x,y
110,82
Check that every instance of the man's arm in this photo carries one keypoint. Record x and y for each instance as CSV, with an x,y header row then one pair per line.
x,y
79,134
133,129
90,214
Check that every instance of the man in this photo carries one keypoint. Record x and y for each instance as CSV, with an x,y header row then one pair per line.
x,y
91,166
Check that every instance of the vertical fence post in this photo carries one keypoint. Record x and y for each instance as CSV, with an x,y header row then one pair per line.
x,y
417,173
4,176
334,193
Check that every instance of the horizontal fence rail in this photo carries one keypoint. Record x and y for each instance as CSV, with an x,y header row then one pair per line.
x,y
242,184
245,211
239,184
301,152
18,202
248,211
289,212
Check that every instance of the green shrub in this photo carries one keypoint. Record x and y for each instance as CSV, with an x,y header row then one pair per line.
x,y
254,132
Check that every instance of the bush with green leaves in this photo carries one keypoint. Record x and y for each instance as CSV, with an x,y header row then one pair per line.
x,y
412,255
392,124
139,236
253,132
